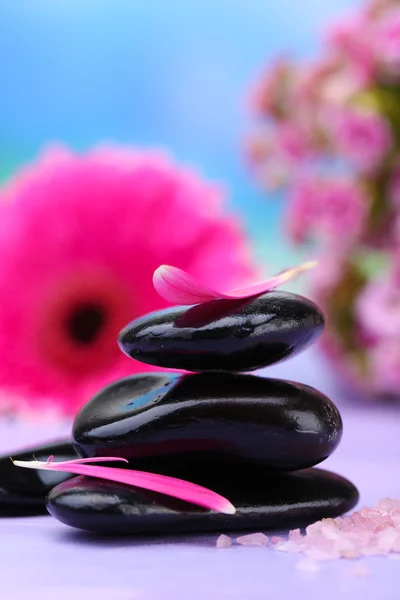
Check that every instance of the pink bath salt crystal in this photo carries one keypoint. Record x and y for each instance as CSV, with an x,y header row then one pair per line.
x,y
295,535
224,541
346,523
307,565
374,550
387,538
359,570
289,546
385,520
350,554
369,513
320,548
253,539
387,505
396,518
348,545
361,537
359,520
322,553
396,545
367,532
314,528
330,523
330,529
276,539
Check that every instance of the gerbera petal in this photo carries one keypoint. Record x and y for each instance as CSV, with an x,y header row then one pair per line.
x,y
80,461
179,287
170,486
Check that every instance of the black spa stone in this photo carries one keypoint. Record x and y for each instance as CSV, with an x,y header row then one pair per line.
x,y
263,501
225,335
150,418
23,491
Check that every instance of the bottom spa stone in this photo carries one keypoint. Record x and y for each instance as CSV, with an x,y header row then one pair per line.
x,y
262,500
24,491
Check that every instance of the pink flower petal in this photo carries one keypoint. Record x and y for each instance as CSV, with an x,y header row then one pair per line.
x,y
177,488
82,461
178,287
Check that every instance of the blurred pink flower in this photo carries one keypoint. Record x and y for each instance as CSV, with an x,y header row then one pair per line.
x,y
80,239
330,206
277,155
388,41
362,137
329,272
378,308
270,96
300,212
352,40
394,188
384,361
345,197
292,143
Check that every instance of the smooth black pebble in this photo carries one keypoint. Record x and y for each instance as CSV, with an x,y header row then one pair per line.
x,y
150,417
225,335
263,501
23,491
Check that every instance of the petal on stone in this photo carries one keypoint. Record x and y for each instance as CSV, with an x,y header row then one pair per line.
x,y
162,484
178,287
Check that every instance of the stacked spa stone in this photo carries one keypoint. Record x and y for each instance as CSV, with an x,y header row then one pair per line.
x,y
248,438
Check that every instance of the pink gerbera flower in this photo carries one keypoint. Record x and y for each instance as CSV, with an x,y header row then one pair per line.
x,y
80,239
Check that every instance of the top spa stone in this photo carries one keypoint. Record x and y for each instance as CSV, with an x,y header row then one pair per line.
x,y
225,335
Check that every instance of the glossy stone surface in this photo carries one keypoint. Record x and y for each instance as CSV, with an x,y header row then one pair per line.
x,y
150,418
225,335
23,491
263,501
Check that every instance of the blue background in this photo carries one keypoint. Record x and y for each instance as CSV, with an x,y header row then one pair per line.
x,y
170,73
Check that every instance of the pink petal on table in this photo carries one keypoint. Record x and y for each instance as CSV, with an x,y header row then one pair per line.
x,y
178,287
170,486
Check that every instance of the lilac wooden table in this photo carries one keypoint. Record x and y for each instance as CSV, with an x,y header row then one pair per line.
x,y
43,559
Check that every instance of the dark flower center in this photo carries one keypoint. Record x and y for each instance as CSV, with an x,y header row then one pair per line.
x,y
85,322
